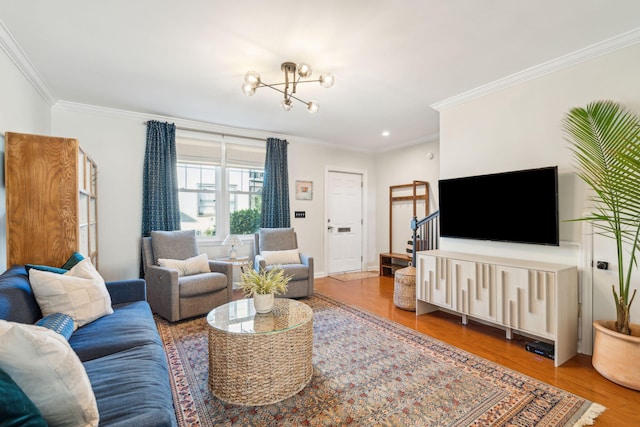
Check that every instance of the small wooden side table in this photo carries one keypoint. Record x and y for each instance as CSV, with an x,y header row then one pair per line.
x,y
241,261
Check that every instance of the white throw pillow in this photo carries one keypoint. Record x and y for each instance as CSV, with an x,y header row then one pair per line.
x,y
81,293
291,256
194,265
41,362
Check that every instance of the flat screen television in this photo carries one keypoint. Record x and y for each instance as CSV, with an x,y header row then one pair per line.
x,y
519,206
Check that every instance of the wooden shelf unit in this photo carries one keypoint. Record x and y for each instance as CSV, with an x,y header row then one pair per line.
x,y
420,191
390,262
51,200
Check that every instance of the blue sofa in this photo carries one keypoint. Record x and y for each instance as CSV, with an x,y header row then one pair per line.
x,y
121,352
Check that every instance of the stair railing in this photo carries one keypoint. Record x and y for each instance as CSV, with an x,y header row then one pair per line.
x,y
426,234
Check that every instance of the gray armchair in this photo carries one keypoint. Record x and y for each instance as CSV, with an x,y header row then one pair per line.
x,y
274,240
174,296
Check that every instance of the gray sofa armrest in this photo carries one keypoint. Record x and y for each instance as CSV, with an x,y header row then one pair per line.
x,y
225,268
122,291
162,291
308,261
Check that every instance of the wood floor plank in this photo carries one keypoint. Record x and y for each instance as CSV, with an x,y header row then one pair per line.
x,y
576,375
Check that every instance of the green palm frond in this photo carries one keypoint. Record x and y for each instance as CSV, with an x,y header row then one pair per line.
x,y
605,141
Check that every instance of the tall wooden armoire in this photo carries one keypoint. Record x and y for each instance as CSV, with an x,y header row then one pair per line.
x,y
51,200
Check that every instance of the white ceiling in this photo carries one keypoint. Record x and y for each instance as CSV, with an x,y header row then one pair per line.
x,y
391,59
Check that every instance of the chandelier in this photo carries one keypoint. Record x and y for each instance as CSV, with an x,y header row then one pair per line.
x,y
293,75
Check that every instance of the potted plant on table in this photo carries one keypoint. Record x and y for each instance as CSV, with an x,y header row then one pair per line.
x,y
263,285
605,141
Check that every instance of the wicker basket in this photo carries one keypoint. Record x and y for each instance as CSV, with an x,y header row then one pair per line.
x,y
404,289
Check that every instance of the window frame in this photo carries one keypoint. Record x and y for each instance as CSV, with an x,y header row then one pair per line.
x,y
222,191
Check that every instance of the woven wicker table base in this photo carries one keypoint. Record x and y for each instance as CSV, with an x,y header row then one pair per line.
x,y
266,363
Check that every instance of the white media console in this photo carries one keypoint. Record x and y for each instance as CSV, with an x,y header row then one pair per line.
x,y
538,299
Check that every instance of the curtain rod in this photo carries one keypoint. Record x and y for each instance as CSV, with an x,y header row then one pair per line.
x,y
216,133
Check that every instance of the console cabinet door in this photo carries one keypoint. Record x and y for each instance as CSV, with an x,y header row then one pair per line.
x,y
435,282
463,279
482,292
526,300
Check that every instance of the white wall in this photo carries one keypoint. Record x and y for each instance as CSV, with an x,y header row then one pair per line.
x,y
116,144
521,127
22,109
116,141
397,167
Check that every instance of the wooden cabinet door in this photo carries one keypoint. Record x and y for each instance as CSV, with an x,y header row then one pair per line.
x,y
41,198
480,291
526,300
436,282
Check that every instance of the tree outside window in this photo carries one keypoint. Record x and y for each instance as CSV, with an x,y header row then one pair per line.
x,y
245,200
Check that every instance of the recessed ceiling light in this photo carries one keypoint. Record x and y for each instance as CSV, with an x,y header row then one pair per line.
x,y
385,133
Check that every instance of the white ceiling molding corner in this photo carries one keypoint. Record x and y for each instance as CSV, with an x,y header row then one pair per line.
x,y
430,138
590,52
17,55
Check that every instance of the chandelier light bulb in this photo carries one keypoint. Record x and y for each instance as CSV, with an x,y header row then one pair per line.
x,y
252,78
313,106
304,70
327,80
293,78
248,89
287,105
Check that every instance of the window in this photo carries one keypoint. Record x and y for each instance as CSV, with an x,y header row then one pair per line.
x,y
197,197
245,199
220,185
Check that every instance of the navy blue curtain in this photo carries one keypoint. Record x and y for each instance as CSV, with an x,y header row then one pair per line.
x,y
275,187
160,207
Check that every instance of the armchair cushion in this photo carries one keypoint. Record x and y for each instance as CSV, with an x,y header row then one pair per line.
x,y
194,265
291,256
179,244
295,271
201,284
277,239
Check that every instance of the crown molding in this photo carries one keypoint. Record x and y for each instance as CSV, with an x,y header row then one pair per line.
x,y
23,63
590,52
191,125
429,138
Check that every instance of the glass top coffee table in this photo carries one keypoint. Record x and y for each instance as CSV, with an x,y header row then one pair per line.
x,y
259,359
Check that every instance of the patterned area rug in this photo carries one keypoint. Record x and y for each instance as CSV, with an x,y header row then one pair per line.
x,y
357,275
369,371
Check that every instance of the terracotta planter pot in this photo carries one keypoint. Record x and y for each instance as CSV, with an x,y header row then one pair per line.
x,y
615,355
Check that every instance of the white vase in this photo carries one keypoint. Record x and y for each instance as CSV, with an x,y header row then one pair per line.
x,y
263,302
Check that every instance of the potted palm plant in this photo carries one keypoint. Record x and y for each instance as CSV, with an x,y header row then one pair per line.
x,y
605,141
263,285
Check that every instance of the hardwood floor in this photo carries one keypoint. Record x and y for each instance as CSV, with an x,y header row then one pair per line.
x,y
576,376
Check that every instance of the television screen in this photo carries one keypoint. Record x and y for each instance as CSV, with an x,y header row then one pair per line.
x,y
519,206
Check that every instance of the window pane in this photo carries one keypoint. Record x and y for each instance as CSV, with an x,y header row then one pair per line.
x,y
189,218
197,195
245,200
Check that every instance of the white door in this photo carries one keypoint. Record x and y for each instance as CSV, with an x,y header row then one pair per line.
x,y
344,221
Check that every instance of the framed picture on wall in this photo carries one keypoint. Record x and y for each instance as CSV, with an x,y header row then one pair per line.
x,y
304,190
